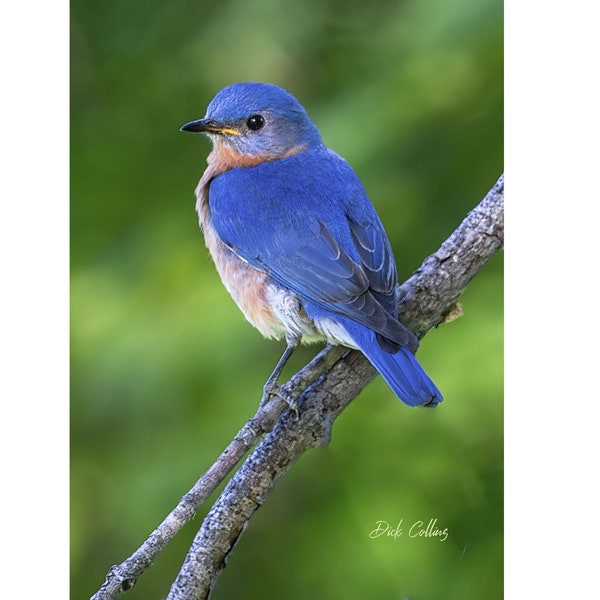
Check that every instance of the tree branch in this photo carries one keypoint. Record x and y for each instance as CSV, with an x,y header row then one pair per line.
x,y
322,389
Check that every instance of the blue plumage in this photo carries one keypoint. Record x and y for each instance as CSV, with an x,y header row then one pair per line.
x,y
276,199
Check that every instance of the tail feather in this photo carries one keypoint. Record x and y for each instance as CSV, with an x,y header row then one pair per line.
x,y
405,376
401,370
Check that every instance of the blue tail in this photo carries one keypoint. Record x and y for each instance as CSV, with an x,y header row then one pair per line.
x,y
404,375
401,370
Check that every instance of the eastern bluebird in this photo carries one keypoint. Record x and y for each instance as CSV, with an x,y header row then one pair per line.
x,y
296,240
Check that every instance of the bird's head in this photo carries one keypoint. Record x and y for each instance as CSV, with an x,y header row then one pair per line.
x,y
257,119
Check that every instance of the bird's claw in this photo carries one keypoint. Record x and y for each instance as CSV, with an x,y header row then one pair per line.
x,y
272,389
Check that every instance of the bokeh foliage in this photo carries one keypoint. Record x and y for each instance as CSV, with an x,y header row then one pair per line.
x,y
164,368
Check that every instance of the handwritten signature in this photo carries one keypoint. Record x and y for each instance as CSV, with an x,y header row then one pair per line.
x,y
418,529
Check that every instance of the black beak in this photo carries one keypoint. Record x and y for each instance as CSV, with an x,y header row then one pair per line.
x,y
203,126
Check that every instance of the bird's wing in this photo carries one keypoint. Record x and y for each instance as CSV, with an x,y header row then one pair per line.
x,y
314,230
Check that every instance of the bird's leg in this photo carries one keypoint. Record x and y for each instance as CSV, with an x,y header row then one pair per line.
x,y
271,388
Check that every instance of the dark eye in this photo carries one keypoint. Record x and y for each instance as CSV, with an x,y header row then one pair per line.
x,y
255,122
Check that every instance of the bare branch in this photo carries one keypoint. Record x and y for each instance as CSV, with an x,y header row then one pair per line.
x,y
431,292
322,389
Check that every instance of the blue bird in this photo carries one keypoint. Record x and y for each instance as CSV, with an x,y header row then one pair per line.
x,y
296,240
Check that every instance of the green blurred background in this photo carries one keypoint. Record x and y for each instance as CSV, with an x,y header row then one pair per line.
x,y
164,368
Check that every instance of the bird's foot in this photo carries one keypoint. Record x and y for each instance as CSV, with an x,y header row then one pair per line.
x,y
271,389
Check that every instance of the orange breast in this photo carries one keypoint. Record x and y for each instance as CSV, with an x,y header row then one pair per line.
x,y
248,288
